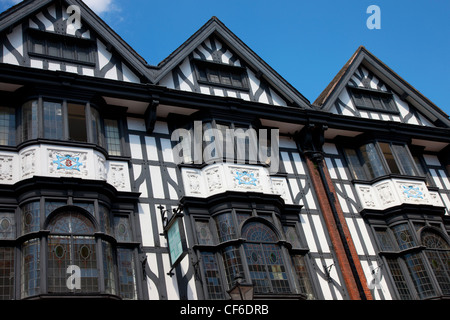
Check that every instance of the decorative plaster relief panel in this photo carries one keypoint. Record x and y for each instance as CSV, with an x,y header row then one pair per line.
x,y
223,177
392,192
58,161
6,169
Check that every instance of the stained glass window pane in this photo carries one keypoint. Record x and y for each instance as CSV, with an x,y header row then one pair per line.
x,y
212,275
85,257
292,236
233,264
204,235
7,226
258,270
51,206
225,227
105,219
30,271
433,241
127,276
30,217
256,231
403,236
71,223
122,229
59,258
303,282
108,268
7,273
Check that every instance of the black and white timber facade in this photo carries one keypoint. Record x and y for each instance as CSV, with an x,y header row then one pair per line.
x,y
90,185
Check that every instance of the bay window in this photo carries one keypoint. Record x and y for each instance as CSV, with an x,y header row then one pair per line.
x,y
56,236
252,244
417,259
65,120
376,159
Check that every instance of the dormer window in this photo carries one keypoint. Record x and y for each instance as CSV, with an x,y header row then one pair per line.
x,y
219,74
61,47
375,100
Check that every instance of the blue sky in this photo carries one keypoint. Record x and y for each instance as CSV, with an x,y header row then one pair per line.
x,y
306,42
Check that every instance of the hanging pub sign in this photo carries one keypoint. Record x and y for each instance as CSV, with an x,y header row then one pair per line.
x,y
175,235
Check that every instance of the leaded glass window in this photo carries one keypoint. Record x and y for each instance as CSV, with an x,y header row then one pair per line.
x,y
7,126
204,235
399,279
31,217
233,264
419,275
303,282
403,236
225,227
438,255
265,259
7,226
7,273
108,268
30,120
112,135
69,244
30,274
122,229
212,275
127,276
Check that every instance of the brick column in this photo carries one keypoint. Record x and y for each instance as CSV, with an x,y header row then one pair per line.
x,y
355,280
310,141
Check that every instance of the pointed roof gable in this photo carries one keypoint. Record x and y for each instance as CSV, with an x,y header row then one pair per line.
x,y
28,8
362,57
215,27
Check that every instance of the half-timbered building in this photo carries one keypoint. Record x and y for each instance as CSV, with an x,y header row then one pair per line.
x,y
124,180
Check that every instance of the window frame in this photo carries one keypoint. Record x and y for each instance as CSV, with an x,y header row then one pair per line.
x,y
390,108
46,37
32,129
363,165
208,67
218,247
400,256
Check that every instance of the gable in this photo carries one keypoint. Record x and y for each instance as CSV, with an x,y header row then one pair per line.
x,y
213,68
368,101
232,70
51,39
367,88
